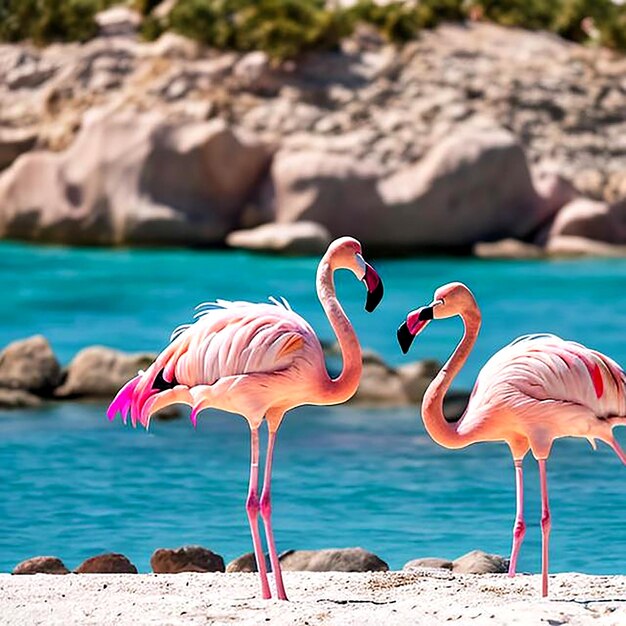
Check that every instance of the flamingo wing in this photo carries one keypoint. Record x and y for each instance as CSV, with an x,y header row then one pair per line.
x,y
545,368
228,339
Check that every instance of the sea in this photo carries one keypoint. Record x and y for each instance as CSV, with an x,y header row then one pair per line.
x,y
73,484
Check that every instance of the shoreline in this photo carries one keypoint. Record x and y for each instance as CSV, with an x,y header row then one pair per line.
x,y
418,597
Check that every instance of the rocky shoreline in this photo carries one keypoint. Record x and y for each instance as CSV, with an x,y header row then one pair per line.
x,y
202,560
30,374
454,142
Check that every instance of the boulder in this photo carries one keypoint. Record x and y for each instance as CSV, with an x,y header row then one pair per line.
x,y
186,559
428,562
109,563
332,560
294,238
30,365
132,178
416,377
479,562
473,186
568,246
244,563
100,372
380,384
41,565
118,21
591,219
254,72
15,141
18,399
508,249
171,45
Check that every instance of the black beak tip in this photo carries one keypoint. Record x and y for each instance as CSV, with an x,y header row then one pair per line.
x,y
374,297
405,337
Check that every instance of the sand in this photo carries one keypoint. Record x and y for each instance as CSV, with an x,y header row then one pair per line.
x,y
393,598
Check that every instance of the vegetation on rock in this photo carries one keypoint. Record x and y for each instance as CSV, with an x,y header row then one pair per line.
x,y
286,28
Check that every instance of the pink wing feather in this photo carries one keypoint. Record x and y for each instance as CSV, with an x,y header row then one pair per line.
x,y
229,339
546,367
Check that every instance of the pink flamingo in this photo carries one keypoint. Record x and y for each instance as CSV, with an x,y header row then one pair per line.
x,y
531,392
259,361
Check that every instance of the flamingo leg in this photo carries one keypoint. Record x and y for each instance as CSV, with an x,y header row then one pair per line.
x,y
545,527
252,509
266,514
519,530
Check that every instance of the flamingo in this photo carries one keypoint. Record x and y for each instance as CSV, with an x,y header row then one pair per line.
x,y
258,361
533,391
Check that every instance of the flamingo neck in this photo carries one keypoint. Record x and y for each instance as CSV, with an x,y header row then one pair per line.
x,y
444,433
343,387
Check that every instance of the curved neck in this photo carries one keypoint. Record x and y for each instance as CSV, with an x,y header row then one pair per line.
x,y
345,385
443,432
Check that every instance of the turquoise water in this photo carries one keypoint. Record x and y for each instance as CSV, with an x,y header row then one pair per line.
x,y
73,484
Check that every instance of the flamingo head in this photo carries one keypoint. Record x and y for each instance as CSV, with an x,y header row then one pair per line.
x,y
346,252
449,300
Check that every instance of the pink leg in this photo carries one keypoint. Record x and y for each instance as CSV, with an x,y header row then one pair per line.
x,y
252,508
545,527
266,514
519,530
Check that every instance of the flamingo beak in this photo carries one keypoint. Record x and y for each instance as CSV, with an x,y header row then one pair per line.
x,y
405,337
415,323
374,288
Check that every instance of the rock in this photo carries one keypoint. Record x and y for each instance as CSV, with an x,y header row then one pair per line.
x,y
473,186
297,238
13,142
591,219
616,188
508,249
454,404
555,190
254,72
428,562
30,365
380,384
168,413
186,559
109,563
163,9
590,182
416,377
100,372
29,75
18,399
479,562
133,179
567,246
41,565
173,46
332,560
244,563
118,21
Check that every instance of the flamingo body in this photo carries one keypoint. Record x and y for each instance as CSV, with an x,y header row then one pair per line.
x,y
540,388
227,360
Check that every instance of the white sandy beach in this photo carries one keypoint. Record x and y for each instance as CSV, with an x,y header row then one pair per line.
x,y
426,597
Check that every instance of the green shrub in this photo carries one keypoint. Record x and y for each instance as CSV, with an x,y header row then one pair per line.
x,y
531,14
282,28
145,6
609,20
49,20
395,21
286,28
